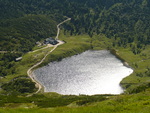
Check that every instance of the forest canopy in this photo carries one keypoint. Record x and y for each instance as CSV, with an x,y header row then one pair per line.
x,y
23,22
126,21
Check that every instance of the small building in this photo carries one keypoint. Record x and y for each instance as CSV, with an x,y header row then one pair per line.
x,y
18,59
50,41
38,43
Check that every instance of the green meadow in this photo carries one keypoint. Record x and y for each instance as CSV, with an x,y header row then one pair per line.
x,y
134,100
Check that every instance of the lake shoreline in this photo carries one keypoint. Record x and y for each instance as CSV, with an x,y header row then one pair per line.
x,y
106,61
115,52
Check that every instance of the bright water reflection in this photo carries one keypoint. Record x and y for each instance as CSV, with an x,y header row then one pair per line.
x,y
92,72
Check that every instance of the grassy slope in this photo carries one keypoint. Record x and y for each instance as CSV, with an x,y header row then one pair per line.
x,y
139,63
74,45
137,103
28,60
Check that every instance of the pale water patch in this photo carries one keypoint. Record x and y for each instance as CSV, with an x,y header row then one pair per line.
x,y
92,72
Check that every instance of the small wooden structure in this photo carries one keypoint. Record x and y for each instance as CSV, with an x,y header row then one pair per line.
x,y
50,41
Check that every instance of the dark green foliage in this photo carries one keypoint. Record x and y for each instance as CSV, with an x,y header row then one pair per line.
x,y
7,62
67,99
19,85
124,21
90,99
20,34
138,88
51,101
57,101
145,74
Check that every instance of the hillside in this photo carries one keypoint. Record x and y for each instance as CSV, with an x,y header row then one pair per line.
x,y
126,22
122,26
20,34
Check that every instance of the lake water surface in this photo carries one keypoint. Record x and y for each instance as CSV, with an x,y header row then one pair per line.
x,y
92,72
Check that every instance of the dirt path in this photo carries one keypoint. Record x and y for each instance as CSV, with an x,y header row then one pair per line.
x,y
58,29
30,70
48,45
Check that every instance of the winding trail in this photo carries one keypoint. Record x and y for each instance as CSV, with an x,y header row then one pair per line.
x,y
58,29
48,45
30,70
